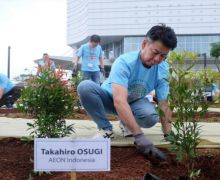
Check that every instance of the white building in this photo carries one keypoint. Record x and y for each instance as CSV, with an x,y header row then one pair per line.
x,y
122,24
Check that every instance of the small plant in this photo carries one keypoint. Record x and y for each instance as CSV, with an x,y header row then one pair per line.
x,y
194,174
47,98
30,177
74,81
186,100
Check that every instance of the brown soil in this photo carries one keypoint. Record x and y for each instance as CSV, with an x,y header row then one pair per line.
x,y
126,163
15,113
81,114
209,117
215,105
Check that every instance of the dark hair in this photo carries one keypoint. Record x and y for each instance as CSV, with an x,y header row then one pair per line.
x,y
164,34
95,38
45,54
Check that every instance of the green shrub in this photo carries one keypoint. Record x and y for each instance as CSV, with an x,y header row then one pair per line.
x,y
47,98
186,100
74,82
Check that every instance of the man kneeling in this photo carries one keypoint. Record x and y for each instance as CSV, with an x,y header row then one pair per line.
x,y
132,77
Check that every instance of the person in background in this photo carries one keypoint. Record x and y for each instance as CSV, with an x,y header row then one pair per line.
x,y
9,93
211,91
91,54
46,62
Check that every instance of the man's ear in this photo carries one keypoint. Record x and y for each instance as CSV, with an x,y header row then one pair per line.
x,y
144,43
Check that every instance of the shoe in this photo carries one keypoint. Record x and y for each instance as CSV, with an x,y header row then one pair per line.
x,y
9,106
104,134
125,131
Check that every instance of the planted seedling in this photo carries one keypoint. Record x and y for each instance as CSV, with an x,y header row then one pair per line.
x,y
186,100
47,98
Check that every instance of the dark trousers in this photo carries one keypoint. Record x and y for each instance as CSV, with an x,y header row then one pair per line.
x,y
10,97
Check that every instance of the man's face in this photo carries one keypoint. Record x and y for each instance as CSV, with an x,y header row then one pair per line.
x,y
46,58
93,44
153,52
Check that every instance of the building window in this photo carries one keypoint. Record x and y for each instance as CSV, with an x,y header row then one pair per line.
x,y
196,43
113,50
132,43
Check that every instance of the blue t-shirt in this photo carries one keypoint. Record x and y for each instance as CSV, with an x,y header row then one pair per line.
x,y
90,57
5,83
128,71
43,64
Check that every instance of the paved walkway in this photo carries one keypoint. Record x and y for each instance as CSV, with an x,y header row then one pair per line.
x,y
209,109
10,127
214,109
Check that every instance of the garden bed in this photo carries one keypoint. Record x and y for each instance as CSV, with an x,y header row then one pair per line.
x,y
82,115
215,105
126,163
15,113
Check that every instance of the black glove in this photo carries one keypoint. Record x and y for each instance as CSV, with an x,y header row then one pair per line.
x,y
146,147
166,136
75,70
102,70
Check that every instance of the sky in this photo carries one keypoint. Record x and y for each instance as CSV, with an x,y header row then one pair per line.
x,y
31,28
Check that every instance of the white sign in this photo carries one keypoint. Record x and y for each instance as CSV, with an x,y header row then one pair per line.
x,y
55,154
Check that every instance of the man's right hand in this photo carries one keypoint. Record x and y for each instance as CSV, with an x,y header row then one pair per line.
x,y
146,147
75,70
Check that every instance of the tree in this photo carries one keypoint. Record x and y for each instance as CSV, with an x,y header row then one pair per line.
x,y
215,52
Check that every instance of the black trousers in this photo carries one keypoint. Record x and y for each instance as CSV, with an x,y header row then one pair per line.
x,y
10,97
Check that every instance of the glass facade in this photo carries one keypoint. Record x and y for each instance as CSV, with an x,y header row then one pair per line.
x,y
132,43
195,43
113,50
199,44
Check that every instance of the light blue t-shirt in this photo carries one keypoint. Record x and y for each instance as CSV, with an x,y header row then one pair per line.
x,y
43,64
5,83
128,71
90,57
